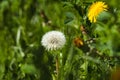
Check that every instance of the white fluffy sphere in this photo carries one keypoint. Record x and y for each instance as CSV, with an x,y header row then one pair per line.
x,y
53,40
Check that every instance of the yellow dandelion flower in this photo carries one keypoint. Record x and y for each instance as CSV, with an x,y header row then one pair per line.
x,y
95,9
78,42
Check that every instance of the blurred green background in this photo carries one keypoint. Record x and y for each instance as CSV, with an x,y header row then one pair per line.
x,y
24,22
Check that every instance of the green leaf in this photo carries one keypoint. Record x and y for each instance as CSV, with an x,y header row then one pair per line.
x,y
69,17
28,68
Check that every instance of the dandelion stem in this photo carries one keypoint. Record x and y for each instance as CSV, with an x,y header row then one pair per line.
x,y
57,67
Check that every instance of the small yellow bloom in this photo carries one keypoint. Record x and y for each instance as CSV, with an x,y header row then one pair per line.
x,y
95,9
78,42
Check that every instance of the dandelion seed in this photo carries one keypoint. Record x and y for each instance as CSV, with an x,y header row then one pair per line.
x,y
95,9
53,40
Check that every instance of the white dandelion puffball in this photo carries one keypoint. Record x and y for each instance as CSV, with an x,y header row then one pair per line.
x,y
53,40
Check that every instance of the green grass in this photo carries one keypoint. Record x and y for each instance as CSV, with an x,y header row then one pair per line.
x,y
24,22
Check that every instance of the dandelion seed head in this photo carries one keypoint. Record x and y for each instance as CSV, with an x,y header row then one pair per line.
x,y
53,40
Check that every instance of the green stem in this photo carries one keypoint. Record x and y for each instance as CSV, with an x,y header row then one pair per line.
x,y
57,67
